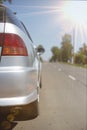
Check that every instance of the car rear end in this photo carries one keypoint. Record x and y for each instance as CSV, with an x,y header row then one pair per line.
x,y
18,69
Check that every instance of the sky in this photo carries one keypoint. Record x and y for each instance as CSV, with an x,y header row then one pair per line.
x,y
48,20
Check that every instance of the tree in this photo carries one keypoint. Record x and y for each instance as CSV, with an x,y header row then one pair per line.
x,y
81,56
55,54
85,53
66,48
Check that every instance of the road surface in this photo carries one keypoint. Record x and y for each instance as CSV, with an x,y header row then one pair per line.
x,y
63,104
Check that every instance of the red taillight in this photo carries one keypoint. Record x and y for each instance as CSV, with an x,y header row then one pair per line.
x,y
13,45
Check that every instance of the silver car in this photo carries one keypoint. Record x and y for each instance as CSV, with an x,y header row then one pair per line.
x,y
19,68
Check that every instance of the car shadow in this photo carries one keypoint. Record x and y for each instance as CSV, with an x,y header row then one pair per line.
x,y
9,116
5,124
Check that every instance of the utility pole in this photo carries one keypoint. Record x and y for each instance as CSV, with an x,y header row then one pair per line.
x,y
73,39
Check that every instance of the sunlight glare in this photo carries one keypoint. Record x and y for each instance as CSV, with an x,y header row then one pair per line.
x,y
75,11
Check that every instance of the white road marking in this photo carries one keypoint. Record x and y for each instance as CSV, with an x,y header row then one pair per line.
x,y
71,77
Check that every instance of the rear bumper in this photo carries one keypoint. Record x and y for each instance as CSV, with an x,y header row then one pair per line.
x,y
20,112
18,86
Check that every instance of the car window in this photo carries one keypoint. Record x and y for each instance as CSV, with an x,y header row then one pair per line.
x,y
11,18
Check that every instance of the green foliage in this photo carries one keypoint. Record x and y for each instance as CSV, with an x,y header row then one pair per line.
x,y
66,48
55,54
65,52
81,56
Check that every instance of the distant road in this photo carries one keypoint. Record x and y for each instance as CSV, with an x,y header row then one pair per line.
x,y
63,99
75,73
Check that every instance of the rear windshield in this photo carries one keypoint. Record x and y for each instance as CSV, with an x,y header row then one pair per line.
x,y
11,18
6,15
2,12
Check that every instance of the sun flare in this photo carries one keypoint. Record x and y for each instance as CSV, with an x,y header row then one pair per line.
x,y
66,16
74,17
75,11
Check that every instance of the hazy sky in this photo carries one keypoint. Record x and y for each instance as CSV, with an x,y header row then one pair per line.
x,y
46,22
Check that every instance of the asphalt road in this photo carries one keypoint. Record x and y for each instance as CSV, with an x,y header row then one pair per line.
x,y
63,100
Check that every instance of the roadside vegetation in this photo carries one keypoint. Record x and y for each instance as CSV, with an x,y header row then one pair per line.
x,y
66,53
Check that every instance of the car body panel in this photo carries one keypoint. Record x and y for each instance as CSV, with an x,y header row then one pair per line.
x,y
18,74
18,82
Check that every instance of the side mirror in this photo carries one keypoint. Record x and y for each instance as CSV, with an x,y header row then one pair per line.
x,y
40,50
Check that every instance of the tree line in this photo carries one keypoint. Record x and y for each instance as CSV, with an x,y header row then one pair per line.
x,y
66,52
